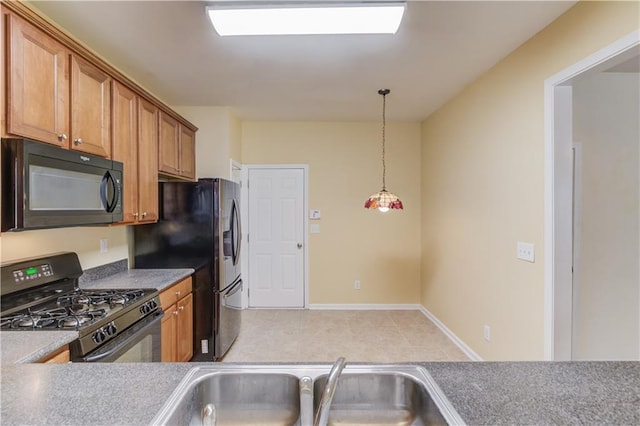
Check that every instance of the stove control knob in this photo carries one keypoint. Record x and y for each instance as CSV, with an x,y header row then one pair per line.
x,y
145,309
99,336
153,304
110,329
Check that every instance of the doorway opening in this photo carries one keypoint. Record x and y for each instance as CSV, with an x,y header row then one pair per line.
x,y
592,192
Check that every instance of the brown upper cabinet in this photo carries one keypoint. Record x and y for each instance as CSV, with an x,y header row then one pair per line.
x,y
90,108
37,84
176,157
45,83
59,92
135,140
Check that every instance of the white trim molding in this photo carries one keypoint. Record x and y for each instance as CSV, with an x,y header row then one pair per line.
x,y
556,88
365,307
451,335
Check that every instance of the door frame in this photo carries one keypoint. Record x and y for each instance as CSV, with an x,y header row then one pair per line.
x,y
558,238
244,210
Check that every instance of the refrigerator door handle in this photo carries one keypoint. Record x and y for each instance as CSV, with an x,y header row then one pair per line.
x,y
234,290
236,233
230,286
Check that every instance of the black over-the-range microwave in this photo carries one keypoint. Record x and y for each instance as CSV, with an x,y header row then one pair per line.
x,y
45,186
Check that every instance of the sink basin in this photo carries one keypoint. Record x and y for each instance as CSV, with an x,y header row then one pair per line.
x,y
379,399
289,395
247,398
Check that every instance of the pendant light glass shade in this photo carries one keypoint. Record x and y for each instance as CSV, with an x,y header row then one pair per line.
x,y
383,200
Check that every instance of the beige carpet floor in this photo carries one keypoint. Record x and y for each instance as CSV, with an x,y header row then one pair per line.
x,y
288,335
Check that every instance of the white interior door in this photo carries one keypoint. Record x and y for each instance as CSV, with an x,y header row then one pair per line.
x,y
276,237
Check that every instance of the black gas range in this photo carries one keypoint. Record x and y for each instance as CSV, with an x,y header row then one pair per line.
x,y
42,294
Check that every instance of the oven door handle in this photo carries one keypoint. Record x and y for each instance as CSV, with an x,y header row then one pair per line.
x,y
143,326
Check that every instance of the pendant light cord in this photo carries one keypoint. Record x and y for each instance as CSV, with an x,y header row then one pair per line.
x,y
384,121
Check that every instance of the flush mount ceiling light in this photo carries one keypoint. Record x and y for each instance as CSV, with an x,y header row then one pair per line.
x,y
383,200
289,18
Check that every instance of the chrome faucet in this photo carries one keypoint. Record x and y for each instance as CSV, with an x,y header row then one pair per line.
x,y
322,416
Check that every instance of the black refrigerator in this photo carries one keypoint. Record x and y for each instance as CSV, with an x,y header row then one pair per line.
x,y
199,227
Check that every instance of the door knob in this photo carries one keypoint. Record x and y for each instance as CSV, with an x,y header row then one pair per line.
x,y
299,245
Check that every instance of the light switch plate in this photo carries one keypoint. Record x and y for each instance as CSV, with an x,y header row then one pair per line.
x,y
315,228
314,214
526,251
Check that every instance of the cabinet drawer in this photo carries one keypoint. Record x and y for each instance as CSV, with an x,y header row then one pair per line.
x,y
174,293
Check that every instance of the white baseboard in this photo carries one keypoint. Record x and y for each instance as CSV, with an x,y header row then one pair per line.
x,y
365,306
455,339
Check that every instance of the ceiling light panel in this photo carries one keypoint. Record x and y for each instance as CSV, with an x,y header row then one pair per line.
x,y
306,18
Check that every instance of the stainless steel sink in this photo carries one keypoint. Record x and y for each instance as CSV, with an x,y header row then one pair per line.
x,y
379,399
247,398
289,395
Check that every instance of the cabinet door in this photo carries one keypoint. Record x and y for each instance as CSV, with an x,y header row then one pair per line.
x,y
168,334
147,161
168,151
59,357
37,85
187,152
185,329
125,146
90,112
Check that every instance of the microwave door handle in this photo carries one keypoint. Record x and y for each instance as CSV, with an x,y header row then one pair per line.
x,y
103,191
110,206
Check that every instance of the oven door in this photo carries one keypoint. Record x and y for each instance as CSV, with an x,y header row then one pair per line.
x,y
139,343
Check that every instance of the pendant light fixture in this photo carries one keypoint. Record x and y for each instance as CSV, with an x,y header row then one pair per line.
x,y
383,200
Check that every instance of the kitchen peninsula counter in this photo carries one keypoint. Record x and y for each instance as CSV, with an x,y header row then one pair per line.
x,y
482,392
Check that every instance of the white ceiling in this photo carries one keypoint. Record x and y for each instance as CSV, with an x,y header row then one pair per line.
x,y
171,48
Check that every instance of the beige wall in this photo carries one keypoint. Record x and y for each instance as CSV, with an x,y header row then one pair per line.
x,y
218,139
84,241
606,293
483,187
380,250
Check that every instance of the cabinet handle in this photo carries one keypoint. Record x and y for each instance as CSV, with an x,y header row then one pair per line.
x,y
175,312
181,308
144,214
62,137
178,293
136,214
77,141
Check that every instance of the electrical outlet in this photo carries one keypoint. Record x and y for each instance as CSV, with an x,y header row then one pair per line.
x,y
525,251
356,284
486,333
104,247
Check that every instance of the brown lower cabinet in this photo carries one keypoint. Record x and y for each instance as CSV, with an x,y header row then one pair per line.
x,y
58,357
177,323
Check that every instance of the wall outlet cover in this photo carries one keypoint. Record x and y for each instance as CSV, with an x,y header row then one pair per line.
x,y
525,251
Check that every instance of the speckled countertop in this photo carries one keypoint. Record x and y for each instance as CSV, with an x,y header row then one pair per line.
x,y
595,393
30,346
140,278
